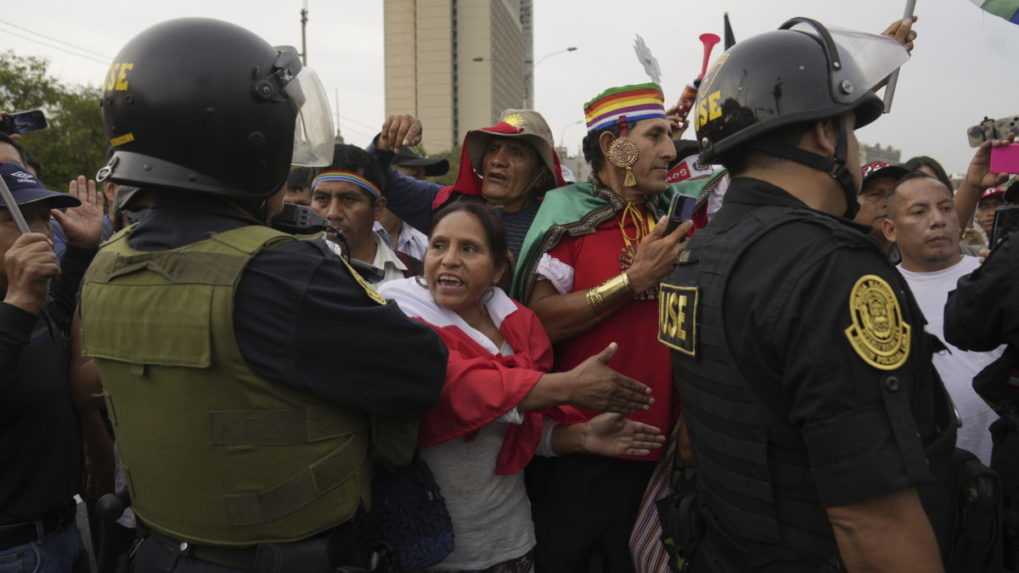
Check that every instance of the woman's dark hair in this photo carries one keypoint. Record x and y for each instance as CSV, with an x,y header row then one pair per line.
x,y
495,234
353,158
932,164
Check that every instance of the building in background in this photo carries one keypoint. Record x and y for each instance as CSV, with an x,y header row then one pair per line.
x,y
889,154
456,64
527,27
577,165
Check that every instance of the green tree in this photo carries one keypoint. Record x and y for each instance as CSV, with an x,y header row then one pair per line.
x,y
73,144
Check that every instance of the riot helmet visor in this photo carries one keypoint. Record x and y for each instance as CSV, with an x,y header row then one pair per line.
x,y
861,62
313,131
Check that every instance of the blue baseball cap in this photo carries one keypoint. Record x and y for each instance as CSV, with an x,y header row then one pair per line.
x,y
27,189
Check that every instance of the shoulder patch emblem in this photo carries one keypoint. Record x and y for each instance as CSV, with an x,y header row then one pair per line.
x,y
368,288
677,312
877,333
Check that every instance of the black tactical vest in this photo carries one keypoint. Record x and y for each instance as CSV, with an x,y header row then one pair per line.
x,y
754,485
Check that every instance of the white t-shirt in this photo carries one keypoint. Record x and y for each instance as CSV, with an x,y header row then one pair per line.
x,y
956,367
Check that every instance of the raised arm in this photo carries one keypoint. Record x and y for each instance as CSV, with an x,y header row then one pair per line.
x,y
978,178
410,199
83,227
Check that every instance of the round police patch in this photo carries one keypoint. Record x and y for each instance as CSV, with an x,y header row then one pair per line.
x,y
877,333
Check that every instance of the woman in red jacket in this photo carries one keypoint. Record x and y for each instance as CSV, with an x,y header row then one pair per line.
x,y
499,406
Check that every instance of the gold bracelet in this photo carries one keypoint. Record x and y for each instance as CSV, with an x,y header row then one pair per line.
x,y
597,296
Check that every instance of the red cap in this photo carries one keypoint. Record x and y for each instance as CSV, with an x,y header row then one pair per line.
x,y
992,192
882,169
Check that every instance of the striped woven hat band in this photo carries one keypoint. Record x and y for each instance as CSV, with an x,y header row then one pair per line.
x,y
343,176
637,102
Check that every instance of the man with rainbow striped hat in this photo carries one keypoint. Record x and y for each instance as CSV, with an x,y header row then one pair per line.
x,y
589,268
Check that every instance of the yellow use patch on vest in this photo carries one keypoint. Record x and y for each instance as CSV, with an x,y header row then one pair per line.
x,y
877,333
677,310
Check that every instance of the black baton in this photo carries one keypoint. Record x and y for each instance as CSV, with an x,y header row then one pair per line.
x,y
12,207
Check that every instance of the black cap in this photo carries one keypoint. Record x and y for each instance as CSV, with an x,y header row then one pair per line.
x,y
26,189
434,166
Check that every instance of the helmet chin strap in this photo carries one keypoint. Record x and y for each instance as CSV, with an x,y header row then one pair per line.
x,y
834,166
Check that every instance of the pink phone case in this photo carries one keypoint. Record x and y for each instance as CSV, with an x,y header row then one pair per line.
x,y
1005,159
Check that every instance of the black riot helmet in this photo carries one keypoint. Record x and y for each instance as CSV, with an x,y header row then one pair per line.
x,y
206,106
800,73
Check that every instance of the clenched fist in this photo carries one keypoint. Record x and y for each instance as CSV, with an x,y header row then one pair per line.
x,y
29,264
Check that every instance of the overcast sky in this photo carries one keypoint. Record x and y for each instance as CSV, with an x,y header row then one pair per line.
x,y
963,69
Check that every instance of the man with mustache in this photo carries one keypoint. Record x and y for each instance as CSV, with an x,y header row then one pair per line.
x,y
509,166
589,268
922,220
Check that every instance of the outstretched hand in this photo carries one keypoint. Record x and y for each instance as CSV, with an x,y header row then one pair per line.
x,y
595,386
82,225
613,435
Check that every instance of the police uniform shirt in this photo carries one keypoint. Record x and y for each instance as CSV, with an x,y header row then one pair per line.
x,y
792,318
983,312
799,327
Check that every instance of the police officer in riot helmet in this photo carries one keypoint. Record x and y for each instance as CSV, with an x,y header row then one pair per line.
x,y
243,367
817,424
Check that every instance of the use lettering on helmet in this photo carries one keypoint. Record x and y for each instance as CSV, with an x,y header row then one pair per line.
x,y
709,109
116,77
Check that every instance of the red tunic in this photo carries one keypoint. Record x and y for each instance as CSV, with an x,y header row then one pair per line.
x,y
595,259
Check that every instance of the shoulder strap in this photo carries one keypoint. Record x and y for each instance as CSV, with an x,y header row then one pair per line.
x,y
252,238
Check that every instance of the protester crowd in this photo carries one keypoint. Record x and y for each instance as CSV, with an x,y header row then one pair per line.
x,y
510,373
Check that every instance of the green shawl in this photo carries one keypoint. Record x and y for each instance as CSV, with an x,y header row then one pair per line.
x,y
577,210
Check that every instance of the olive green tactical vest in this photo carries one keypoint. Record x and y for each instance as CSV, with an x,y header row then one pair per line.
x,y
213,453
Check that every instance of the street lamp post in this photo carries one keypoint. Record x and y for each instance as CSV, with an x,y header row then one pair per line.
x,y
562,132
528,96
304,26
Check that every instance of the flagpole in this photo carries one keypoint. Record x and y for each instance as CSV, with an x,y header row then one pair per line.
x,y
893,80
13,209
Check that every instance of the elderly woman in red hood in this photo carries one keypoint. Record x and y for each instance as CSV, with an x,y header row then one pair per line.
x,y
509,166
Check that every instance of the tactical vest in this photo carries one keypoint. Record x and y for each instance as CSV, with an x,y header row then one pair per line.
x,y
213,453
754,483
